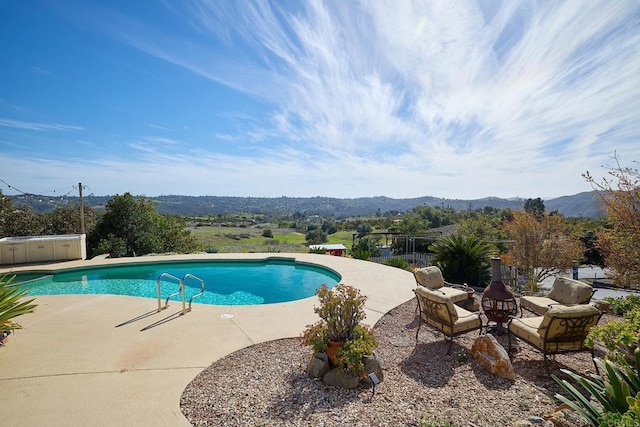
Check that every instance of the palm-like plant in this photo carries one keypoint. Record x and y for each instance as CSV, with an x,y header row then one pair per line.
x,y
365,248
12,304
615,392
464,259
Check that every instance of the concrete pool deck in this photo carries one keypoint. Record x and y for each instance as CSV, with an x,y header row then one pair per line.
x,y
83,359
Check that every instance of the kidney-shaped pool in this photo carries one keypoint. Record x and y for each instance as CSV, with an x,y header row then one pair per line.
x,y
226,282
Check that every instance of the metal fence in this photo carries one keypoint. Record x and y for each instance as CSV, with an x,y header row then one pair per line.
x,y
419,259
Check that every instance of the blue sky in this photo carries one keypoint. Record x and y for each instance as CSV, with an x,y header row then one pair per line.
x,y
317,98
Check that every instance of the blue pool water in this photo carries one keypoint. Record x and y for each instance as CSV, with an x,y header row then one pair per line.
x,y
227,282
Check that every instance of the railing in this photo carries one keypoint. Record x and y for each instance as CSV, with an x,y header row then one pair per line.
x,y
187,276
174,278
180,291
421,259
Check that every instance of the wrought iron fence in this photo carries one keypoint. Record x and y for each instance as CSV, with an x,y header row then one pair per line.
x,y
419,259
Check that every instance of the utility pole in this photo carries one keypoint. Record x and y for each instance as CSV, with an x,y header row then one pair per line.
x,y
81,209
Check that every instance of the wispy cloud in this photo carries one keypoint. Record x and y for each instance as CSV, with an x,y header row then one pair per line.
x,y
39,71
408,98
18,124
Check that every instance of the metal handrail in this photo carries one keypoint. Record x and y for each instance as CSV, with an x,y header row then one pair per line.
x,y
166,304
202,285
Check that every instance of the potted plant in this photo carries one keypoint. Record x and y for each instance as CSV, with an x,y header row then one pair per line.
x,y
339,332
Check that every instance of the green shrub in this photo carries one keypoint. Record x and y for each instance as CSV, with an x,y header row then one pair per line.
x,y
622,305
350,355
365,248
315,237
267,233
619,337
398,263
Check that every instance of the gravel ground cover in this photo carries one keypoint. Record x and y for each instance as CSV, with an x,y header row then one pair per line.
x,y
266,384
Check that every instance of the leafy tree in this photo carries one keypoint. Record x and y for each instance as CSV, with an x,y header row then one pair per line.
x,y
174,235
620,196
535,207
464,259
115,246
364,228
315,237
486,227
329,226
592,253
132,227
66,220
541,248
20,221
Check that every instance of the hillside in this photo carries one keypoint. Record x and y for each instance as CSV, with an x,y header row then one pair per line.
x,y
578,205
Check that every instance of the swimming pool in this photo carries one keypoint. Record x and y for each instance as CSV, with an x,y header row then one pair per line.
x,y
227,282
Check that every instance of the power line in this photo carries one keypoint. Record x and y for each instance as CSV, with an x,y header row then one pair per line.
x,y
42,193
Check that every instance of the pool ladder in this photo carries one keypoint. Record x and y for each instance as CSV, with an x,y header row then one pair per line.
x,y
180,291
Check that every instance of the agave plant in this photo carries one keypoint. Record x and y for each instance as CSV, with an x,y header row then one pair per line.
x,y
616,393
12,304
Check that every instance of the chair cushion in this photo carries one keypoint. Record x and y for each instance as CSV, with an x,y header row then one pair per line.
x,y
567,312
527,329
538,305
533,329
456,295
569,291
446,310
429,277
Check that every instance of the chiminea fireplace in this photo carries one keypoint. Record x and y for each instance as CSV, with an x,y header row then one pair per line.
x,y
498,302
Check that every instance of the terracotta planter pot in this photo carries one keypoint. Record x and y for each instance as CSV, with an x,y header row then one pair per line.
x,y
332,351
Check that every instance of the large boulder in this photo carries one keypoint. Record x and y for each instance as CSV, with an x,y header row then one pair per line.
x,y
493,357
344,379
318,365
372,363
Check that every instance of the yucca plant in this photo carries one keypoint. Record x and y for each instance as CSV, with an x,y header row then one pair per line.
x,y
611,394
12,304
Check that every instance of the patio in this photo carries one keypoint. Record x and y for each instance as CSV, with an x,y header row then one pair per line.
x,y
71,365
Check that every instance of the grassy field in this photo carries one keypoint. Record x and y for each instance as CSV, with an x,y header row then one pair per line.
x,y
250,239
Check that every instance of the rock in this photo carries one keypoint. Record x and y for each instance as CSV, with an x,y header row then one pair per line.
x,y
373,364
602,305
318,365
532,422
539,421
339,379
564,416
493,357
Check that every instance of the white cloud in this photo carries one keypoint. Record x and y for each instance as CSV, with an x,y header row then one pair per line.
x,y
18,124
450,99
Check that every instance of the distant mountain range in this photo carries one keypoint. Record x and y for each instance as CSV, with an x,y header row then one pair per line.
x,y
578,205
